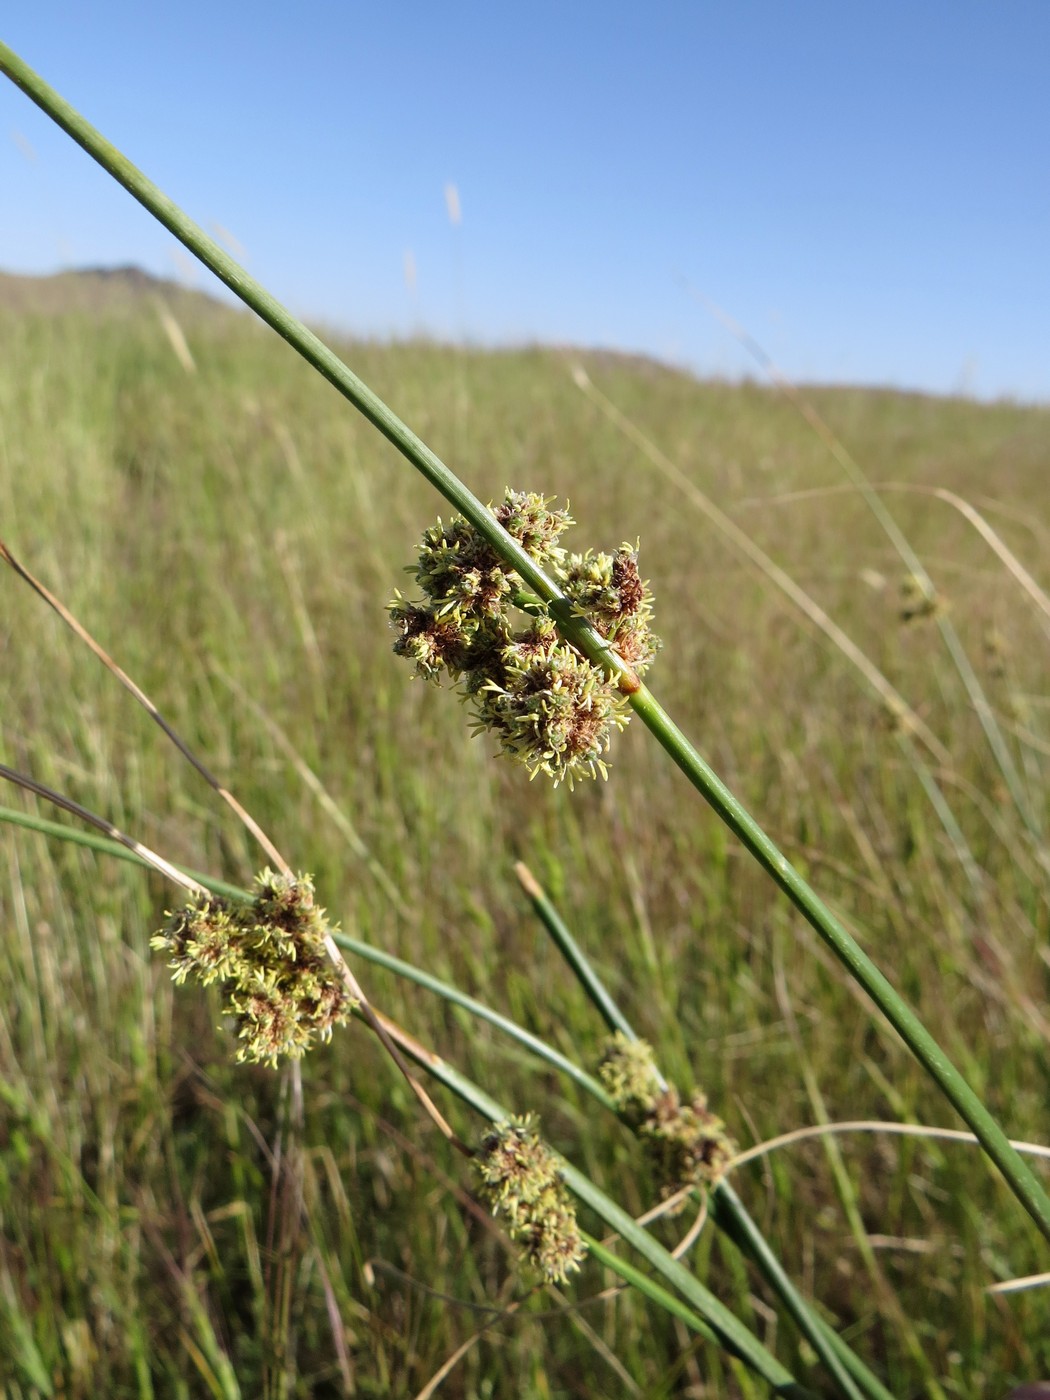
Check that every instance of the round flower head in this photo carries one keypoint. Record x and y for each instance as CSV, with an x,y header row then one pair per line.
x,y
527,517
687,1145
271,957
519,1177
551,708
609,591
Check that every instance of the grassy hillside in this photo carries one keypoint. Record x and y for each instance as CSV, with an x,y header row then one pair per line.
x,y
231,533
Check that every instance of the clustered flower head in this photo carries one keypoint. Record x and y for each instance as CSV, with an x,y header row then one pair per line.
x,y
918,600
609,591
270,955
550,706
519,1177
686,1143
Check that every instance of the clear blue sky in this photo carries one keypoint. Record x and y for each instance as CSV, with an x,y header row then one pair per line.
x,y
865,187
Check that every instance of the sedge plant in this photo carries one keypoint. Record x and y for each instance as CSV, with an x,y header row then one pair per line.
x,y
286,985
553,683
727,1211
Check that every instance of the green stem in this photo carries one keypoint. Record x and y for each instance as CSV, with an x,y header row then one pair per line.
x,y
731,1332
573,954
1021,1179
650,1289
726,1328
728,1211
731,1215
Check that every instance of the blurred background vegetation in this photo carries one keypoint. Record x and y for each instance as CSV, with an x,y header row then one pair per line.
x,y
231,532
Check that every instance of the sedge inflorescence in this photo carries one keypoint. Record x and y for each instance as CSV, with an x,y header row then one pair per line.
x,y
687,1145
551,707
270,955
519,1177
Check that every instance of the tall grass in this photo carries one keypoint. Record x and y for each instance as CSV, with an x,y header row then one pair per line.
x,y
222,558
150,499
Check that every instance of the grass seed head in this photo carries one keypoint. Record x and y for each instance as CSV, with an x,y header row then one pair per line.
x,y
528,518
271,956
519,1178
918,601
551,708
628,1072
436,644
687,1145
555,711
610,592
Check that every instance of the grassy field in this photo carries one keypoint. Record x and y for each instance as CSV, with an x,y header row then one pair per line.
x,y
231,534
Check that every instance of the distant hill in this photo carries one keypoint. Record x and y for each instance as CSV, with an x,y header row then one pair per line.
x,y
110,291
100,290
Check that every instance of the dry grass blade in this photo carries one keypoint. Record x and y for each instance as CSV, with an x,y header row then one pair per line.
x,y
100,823
1020,1285
895,703
147,704
873,1125
368,1014
969,512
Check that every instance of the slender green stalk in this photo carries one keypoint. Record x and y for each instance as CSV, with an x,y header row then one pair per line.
x,y
573,954
731,1215
469,1092
728,1210
670,1303
1021,1179
647,1286
731,1332
912,562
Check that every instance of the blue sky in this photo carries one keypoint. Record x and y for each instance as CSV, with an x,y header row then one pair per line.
x,y
866,188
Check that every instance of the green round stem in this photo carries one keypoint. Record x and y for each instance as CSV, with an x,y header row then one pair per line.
x,y
727,1209
573,954
853,1376
1022,1180
647,1286
731,1332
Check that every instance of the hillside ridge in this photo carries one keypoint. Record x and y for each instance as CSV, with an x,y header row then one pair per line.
x,y
99,291
127,289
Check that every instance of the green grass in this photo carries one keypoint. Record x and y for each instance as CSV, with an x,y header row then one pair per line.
x,y
241,524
